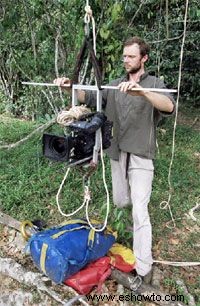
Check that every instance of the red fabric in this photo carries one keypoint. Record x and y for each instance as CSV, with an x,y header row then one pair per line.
x,y
93,274
118,262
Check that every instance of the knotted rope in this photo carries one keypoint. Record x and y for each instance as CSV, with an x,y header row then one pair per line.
x,y
87,19
64,118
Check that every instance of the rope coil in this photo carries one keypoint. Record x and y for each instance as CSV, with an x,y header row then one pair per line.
x,y
65,118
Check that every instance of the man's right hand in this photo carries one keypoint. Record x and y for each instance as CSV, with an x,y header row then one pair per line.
x,y
63,82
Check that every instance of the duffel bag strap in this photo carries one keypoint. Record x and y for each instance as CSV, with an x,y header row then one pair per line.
x,y
57,235
74,221
43,257
91,238
91,235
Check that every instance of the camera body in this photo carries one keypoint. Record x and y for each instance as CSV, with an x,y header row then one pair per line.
x,y
78,145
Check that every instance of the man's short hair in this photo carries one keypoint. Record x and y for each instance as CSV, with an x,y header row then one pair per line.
x,y
144,47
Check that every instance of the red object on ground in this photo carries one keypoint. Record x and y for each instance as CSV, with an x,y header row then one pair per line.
x,y
92,275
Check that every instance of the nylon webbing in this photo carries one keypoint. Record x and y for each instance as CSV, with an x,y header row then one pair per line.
x,y
87,46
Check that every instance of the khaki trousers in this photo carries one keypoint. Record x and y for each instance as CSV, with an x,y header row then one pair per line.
x,y
135,190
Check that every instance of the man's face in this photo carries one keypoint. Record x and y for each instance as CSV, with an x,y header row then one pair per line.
x,y
133,61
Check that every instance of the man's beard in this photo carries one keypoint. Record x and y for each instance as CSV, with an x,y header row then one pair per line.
x,y
134,69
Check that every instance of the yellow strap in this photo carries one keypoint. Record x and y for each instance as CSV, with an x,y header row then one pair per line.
x,y
91,237
43,257
108,229
73,221
55,236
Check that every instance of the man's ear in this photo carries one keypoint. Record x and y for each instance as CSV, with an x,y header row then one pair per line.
x,y
145,58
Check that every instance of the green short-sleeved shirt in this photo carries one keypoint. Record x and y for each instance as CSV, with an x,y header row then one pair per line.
x,y
134,118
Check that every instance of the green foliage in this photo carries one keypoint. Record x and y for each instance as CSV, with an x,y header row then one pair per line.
x,y
30,30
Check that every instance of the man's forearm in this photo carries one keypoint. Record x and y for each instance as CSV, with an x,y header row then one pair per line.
x,y
161,102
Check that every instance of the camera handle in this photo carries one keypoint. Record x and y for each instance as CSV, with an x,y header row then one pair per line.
x,y
98,140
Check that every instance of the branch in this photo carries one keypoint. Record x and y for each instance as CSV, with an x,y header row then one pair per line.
x,y
6,77
38,129
167,18
9,221
134,16
54,108
31,30
191,301
12,269
56,65
166,39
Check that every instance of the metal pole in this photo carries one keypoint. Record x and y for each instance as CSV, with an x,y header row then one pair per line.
x,y
94,87
97,145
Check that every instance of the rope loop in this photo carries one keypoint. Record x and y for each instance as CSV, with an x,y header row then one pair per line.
x,y
164,205
87,195
88,14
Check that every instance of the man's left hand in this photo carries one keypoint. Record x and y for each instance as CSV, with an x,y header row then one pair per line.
x,y
128,86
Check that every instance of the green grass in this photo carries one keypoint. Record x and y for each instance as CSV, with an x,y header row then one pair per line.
x,y
29,183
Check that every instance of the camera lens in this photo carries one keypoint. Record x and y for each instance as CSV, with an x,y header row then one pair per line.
x,y
56,147
59,145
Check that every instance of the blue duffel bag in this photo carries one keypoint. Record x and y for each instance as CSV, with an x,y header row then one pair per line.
x,y
62,251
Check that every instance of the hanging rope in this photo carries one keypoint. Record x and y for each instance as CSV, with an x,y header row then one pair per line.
x,y
90,48
166,204
89,17
87,197
107,196
67,117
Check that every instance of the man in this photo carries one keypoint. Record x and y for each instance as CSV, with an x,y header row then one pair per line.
x,y
135,115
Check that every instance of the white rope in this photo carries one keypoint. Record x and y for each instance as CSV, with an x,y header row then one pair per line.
x,y
87,197
89,17
64,118
191,212
107,196
166,204
178,263
58,194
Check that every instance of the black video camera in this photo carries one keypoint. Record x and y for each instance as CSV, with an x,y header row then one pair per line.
x,y
79,144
